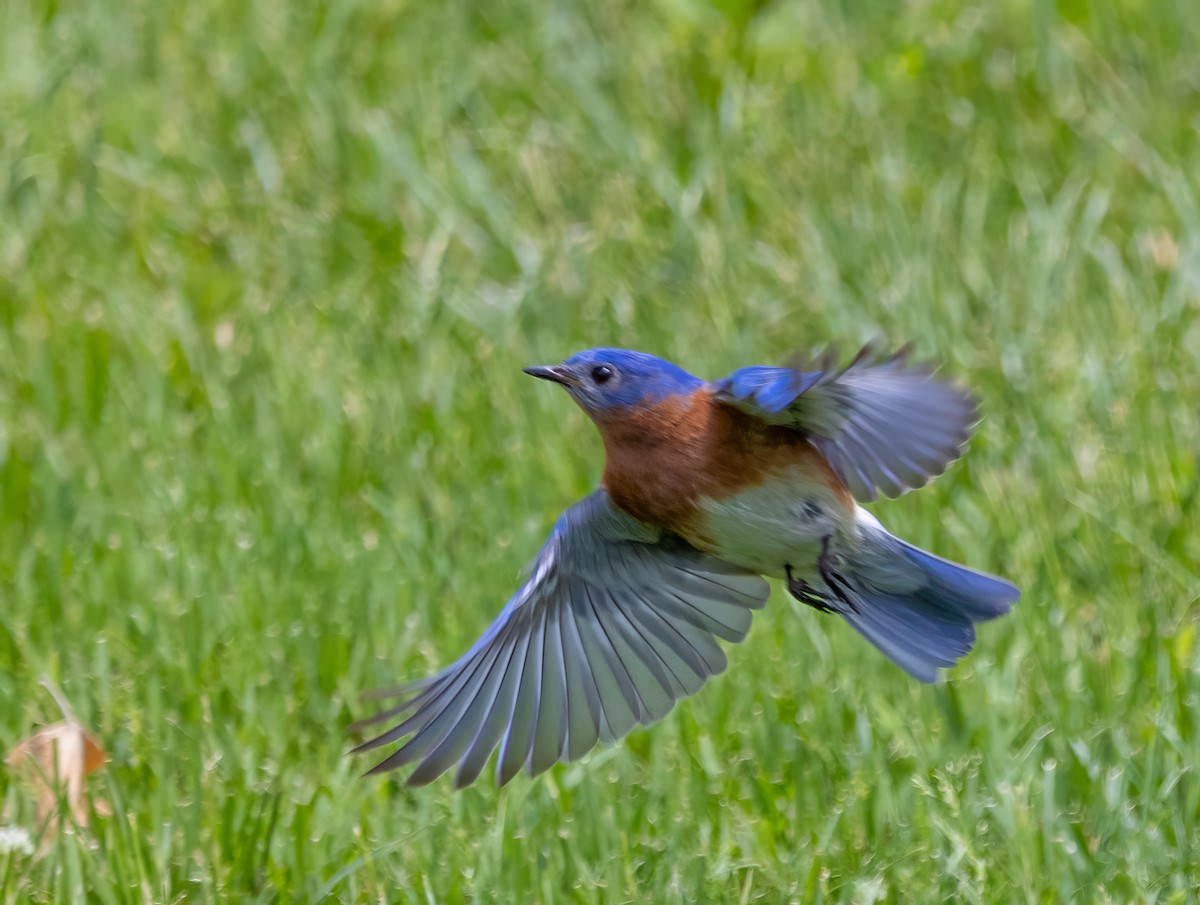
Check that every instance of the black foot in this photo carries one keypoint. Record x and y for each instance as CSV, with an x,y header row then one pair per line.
x,y
840,587
806,593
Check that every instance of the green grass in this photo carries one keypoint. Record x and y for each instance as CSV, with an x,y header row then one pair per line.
x,y
268,275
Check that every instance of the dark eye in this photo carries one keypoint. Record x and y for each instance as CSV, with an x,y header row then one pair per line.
x,y
602,373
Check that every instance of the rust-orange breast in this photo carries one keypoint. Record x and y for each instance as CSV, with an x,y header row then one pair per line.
x,y
663,458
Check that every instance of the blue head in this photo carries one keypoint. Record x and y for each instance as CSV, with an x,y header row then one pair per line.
x,y
603,380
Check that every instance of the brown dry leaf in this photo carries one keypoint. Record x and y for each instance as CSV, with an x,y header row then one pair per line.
x,y
55,761
1162,248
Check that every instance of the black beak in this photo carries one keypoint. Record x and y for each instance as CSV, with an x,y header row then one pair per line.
x,y
557,373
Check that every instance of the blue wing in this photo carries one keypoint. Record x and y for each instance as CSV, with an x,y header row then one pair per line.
x,y
884,425
614,624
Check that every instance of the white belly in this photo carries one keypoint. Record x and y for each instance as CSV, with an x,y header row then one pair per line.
x,y
777,524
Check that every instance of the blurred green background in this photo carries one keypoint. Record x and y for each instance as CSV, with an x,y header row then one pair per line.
x,y
268,275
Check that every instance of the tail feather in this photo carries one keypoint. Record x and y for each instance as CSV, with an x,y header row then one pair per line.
x,y
911,634
976,594
920,610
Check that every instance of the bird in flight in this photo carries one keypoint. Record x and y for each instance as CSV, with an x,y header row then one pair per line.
x,y
707,487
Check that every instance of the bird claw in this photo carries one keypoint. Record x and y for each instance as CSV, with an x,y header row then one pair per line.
x,y
840,587
806,593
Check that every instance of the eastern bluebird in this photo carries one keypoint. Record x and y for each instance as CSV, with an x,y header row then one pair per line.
x,y
707,486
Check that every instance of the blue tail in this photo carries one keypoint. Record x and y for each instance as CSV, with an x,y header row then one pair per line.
x,y
918,609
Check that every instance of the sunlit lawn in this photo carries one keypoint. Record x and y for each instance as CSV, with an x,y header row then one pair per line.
x,y
268,276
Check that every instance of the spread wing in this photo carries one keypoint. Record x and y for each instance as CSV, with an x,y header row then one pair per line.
x,y
616,622
886,426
